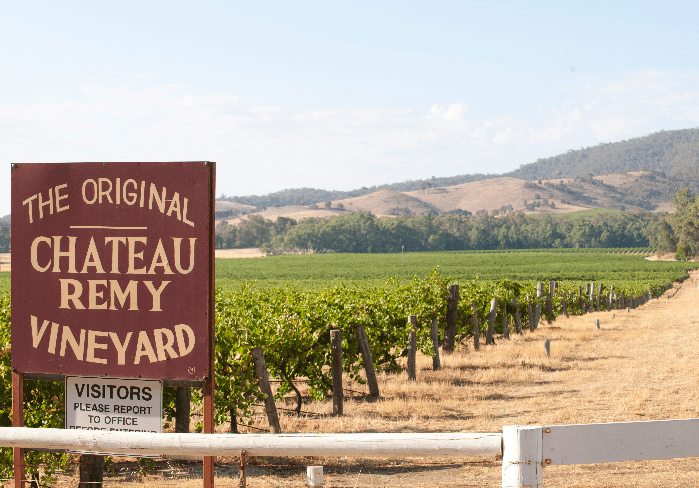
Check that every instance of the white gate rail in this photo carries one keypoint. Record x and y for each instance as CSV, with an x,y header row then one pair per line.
x,y
527,449
459,445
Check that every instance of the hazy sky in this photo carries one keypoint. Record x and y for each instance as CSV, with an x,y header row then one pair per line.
x,y
338,95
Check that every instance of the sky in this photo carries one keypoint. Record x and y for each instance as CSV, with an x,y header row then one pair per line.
x,y
338,95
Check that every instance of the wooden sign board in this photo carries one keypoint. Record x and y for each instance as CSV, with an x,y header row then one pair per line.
x,y
112,269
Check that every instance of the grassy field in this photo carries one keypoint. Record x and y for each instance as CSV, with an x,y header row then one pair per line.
x,y
318,271
587,213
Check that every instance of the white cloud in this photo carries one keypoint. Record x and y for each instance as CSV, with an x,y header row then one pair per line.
x,y
263,148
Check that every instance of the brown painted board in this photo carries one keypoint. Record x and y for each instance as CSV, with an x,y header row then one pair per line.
x,y
111,269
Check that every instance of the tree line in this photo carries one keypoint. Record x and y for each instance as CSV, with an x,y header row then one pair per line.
x,y
366,233
678,232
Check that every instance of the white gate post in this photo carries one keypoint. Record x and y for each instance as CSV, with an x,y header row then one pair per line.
x,y
522,456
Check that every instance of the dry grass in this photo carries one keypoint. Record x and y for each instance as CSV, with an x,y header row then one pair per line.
x,y
250,252
639,366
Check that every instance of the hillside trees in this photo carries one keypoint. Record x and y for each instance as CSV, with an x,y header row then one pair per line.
x,y
360,233
4,238
680,231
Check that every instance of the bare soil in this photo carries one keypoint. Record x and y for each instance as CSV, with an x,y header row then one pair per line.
x,y
640,365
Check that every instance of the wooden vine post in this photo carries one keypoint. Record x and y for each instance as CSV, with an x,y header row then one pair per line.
x,y
537,310
549,299
434,335
263,380
476,327
368,363
505,322
518,321
412,346
530,314
450,328
564,307
336,351
491,322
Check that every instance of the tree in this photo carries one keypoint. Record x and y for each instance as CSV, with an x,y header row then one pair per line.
x,y
328,204
4,238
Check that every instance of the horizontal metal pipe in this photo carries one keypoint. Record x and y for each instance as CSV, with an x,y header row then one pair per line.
x,y
457,445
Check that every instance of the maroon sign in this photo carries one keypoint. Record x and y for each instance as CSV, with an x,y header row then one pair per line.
x,y
111,269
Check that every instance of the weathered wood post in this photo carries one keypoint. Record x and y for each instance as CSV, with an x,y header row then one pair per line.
x,y
530,314
450,328
522,456
242,481
491,321
518,320
263,380
412,345
434,335
592,297
368,363
183,402
537,310
549,300
336,351
476,327
599,295
91,471
564,307
547,347
505,322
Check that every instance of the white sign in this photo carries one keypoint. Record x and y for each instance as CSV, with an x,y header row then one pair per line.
x,y
113,404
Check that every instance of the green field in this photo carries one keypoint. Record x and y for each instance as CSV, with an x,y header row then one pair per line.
x,y
319,271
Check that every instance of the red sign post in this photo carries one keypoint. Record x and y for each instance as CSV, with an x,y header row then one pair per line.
x,y
112,271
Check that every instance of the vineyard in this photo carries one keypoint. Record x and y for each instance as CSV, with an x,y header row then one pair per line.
x,y
292,326
321,271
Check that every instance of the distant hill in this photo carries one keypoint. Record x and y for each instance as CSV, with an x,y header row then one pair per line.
x,y
309,196
675,153
671,156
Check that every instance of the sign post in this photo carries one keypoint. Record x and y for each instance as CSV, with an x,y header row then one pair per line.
x,y
113,275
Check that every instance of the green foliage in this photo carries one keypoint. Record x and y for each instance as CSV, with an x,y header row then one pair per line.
x,y
679,232
43,407
5,282
4,238
365,233
684,252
